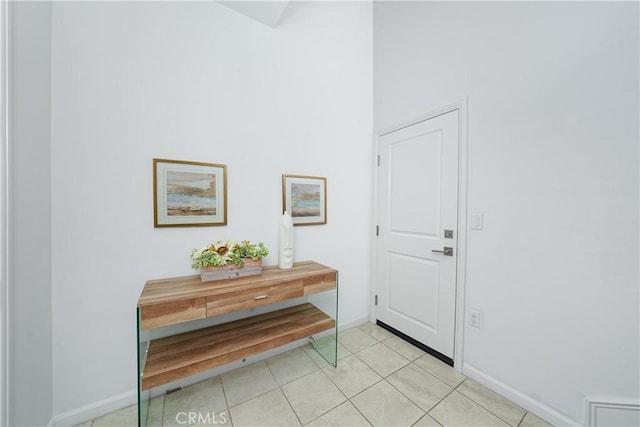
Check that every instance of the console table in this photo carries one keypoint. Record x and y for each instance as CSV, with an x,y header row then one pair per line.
x,y
168,302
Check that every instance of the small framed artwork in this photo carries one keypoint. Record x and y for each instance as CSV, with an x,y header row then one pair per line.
x,y
189,194
305,198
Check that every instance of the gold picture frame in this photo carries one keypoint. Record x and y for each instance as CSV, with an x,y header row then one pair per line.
x,y
189,194
305,198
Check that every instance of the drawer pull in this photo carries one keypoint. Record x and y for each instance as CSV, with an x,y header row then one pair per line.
x,y
261,297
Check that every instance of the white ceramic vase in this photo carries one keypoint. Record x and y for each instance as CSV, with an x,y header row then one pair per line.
x,y
285,242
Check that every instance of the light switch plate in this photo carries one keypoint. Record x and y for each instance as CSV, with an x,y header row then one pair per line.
x,y
474,317
476,221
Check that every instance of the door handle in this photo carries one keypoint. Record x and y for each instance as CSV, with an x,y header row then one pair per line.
x,y
448,251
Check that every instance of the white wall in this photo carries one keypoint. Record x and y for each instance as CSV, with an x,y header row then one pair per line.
x,y
553,153
194,81
5,327
30,204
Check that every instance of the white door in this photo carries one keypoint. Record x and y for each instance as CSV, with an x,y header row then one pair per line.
x,y
417,202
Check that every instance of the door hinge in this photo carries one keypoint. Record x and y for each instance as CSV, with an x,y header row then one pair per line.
x,y
377,230
375,300
378,159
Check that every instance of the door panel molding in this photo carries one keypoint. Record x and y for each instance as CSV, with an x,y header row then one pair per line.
x,y
430,146
461,251
391,297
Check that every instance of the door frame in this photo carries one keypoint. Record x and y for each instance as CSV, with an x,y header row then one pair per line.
x,y
462,107
6,378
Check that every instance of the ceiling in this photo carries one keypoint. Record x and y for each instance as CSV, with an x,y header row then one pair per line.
x,y
265,12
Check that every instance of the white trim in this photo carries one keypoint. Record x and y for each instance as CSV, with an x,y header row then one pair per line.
x,y
463,172
538,408
616,404
462,103
374,224
461,267
352,324
5,220
95,410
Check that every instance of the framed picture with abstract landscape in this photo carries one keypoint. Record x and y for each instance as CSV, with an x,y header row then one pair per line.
x,y
305,198
189,193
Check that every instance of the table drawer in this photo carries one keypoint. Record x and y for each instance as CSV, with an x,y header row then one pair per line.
x,y
253,297
164,314
320,283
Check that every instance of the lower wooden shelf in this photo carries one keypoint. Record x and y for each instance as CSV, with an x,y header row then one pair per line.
x,y
189,353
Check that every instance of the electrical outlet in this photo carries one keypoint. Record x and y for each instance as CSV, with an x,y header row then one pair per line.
x,y
474,317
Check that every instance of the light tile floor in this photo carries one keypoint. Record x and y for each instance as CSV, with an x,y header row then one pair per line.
x,y
380,380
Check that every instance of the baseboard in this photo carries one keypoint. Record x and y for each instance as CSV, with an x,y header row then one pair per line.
x,y
606,412
94,410
103,407
353,323
538,408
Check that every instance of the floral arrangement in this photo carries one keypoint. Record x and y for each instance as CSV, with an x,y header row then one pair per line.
x,y
227,252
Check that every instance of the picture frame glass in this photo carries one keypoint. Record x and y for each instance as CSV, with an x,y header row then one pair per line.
x,y
305,199
189,193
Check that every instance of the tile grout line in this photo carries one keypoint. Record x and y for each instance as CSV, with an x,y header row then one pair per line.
x,y
392,386
427,415
360,412
371,335
410,361
435,376
391,348
226,402
373,369
522,419
381,379
336,386
479,405
362,391
316,352
282,391
329,410
308,349
439,402
290,406
348,398
432,375
426,412
453,389
254,397
489,410
384,378
164,401
354,352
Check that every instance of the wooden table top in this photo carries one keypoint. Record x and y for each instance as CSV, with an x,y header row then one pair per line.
x,y
188,287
